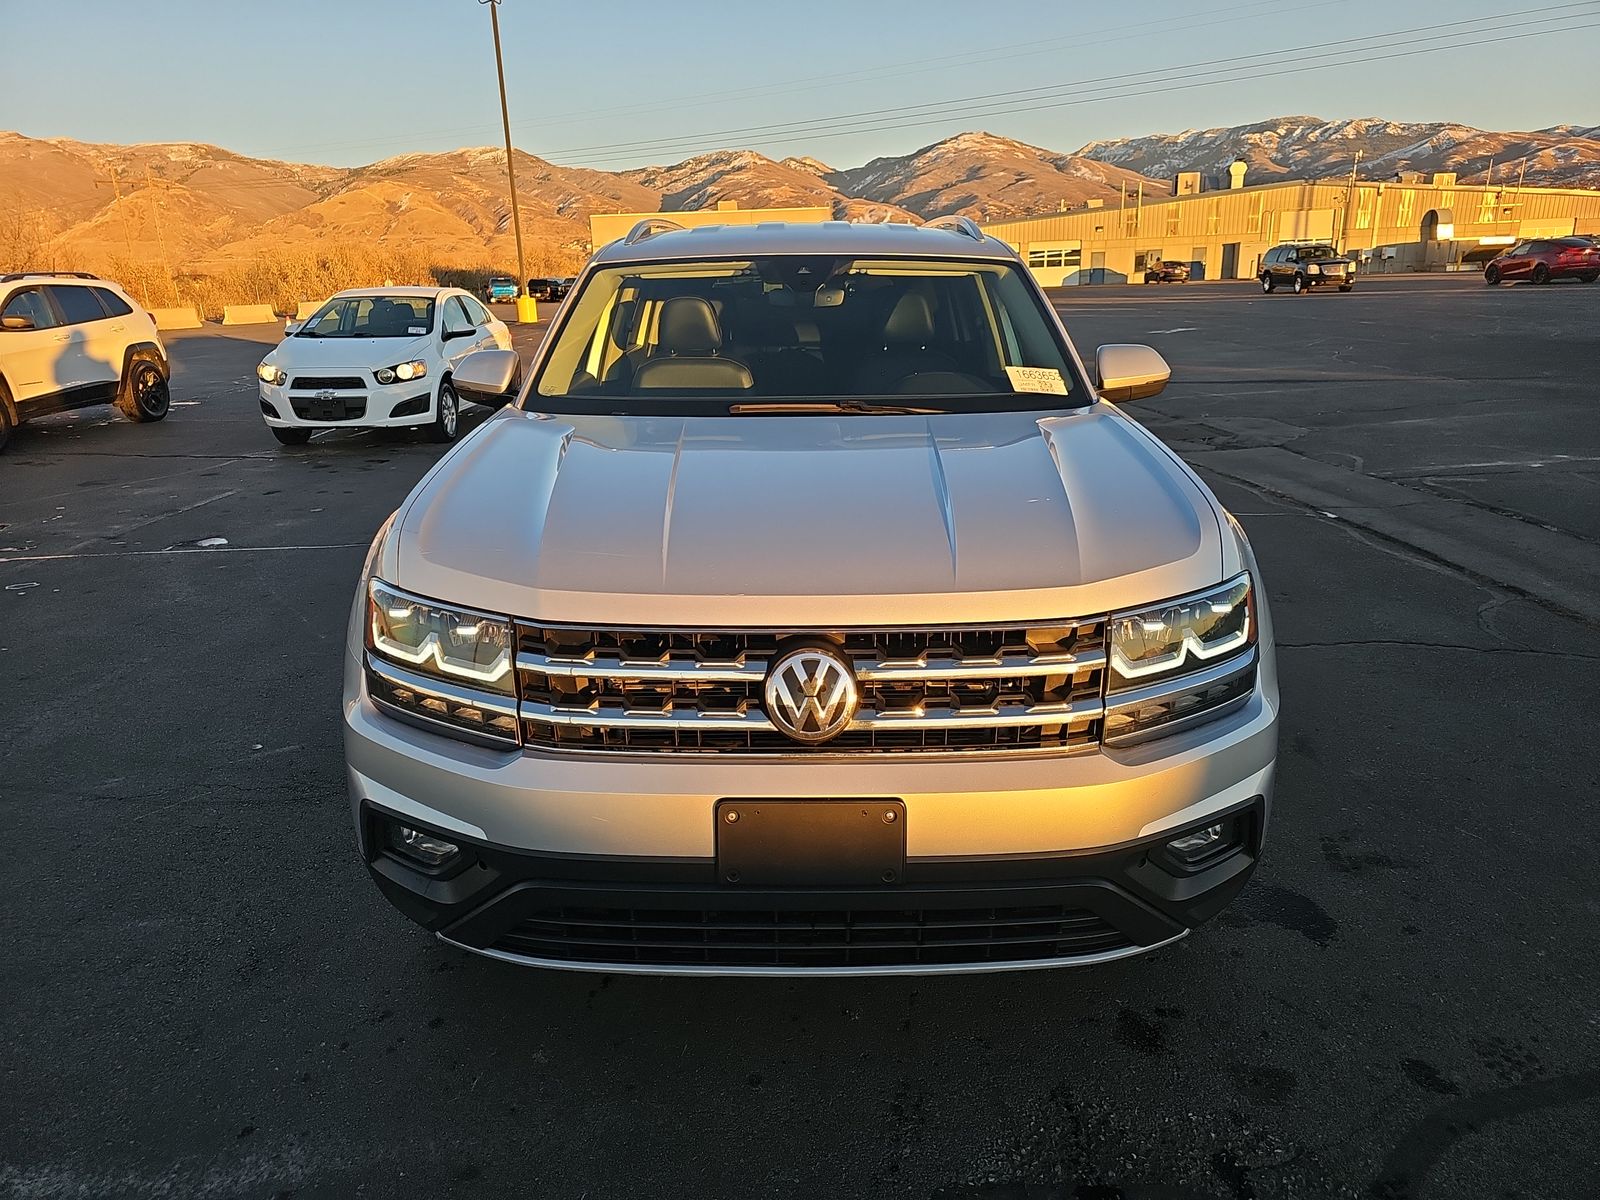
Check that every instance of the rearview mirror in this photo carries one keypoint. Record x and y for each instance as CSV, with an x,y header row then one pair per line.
x,y
489,376
1130,372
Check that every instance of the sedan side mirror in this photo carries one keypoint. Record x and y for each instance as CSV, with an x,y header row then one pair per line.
x,y
290,328
451,335
17,321
489,376
1130,372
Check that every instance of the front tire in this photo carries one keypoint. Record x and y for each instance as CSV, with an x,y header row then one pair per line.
x,y
1347,287
291,437
1299,287
1491,275
1589,276
1541,273
144,394
1268,285
446,425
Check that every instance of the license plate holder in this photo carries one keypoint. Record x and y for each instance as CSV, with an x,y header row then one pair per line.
x,y
811,843
326,410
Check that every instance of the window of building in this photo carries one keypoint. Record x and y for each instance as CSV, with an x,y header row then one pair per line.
x,y
1054,257
1366,203
1408,201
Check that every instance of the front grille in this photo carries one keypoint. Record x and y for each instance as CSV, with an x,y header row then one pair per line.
x,y
1023,688
818,938
327,383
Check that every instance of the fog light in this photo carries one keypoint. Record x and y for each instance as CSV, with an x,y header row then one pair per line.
x,y
423,848
1198,843
1200,848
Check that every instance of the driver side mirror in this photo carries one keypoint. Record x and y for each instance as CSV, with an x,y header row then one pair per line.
x,y
489,376
1130,372
290,328
451,335
17,321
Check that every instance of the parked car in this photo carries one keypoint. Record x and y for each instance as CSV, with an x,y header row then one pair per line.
x,y
548,289
1543,260
1167,271
1303,268
502,289
374,358
813,610
71,340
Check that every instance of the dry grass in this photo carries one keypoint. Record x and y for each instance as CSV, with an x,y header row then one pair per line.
x,y
287,278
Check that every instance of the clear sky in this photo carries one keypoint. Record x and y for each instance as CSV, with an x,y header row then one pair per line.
x,y
618,83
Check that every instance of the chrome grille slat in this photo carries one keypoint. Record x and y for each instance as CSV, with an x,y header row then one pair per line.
x,y
934,691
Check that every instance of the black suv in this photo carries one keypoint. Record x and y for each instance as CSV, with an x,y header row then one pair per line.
x,y
1301,268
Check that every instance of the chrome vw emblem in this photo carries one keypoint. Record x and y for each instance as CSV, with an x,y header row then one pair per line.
x,y
811,694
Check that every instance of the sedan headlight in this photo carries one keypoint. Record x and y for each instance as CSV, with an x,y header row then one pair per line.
x,y
406,371
441,662
268,373
1179,663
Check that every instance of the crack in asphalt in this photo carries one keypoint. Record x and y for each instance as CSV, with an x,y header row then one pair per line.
x,y
1435,646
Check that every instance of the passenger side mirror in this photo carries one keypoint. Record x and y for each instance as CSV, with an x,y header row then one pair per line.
x,y
1130,372
19,321
451,335
489,376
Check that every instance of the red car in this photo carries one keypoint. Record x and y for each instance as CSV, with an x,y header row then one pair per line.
x,y
1544,259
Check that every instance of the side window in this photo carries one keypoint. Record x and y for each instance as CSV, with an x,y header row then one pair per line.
x,y
1274,257
455,317
476,313
114,304
31,305
77,304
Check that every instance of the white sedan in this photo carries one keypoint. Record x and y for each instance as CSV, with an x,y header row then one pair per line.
x,y
375,358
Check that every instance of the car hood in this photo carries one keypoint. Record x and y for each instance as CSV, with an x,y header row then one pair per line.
x,y
303,352
807,522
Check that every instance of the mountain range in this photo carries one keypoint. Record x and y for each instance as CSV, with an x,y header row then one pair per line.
x,y
67,203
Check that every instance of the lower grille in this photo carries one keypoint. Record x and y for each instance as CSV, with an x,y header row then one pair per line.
x,y
327,383
821,938
308,409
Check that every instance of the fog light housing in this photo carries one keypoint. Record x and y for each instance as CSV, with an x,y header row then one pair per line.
x,y
1198,848
427,850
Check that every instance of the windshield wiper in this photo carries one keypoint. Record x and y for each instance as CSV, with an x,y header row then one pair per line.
x,y
812,407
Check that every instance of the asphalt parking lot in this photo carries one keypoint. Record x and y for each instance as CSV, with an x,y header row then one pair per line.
x,y
207,998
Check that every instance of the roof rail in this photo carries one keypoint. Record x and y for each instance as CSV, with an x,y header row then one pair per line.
x,y
956,224
47,275
649,227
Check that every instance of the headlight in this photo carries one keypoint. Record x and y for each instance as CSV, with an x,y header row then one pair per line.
x,y
268,373
1314,269
441,662
1182,635
1180,663
405,371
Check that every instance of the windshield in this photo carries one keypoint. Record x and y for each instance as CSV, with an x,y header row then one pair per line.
x,y
371,317
502,281
1310,252
764,333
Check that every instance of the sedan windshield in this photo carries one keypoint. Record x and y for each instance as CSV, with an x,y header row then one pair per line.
x,y
844,334
371,317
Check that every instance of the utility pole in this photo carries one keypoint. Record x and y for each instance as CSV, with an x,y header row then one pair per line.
x,y
527,307
1349,203
161,237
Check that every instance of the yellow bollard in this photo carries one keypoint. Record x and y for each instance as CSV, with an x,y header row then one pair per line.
x,y
527,310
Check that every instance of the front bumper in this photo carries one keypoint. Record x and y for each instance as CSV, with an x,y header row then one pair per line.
x,y
608,862
398,404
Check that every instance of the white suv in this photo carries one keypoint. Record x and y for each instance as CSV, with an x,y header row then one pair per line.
x,y
376,358
69,340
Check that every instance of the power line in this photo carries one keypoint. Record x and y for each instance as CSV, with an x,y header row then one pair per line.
x,y
1123,84
886,71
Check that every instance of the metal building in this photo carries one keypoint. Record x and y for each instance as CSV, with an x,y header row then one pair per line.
x,y
1436,225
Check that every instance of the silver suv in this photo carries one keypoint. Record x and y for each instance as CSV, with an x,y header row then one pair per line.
x,y
810,611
